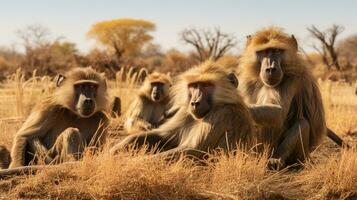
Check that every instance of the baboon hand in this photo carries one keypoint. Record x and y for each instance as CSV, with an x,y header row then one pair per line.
x,y
275,164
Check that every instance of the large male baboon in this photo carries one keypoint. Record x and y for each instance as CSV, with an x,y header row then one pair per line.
x,y
150,105
283,95
212,115
61,125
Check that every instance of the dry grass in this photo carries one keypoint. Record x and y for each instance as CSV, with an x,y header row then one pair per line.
x,y
332,175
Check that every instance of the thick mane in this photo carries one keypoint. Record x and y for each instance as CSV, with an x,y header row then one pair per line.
x,y
272,37
64,94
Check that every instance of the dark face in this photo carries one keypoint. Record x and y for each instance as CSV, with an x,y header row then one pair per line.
x,y
157,91
86,94
200,98
270,60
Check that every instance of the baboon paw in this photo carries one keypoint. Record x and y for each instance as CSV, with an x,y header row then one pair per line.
x,y
147,127
275,164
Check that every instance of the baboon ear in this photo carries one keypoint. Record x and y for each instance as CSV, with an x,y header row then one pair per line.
x,y
233,79
249,39
294,42
59,80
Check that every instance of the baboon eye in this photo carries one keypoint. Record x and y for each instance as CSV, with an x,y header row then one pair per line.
x,y
193,85
206,85
262,52
278,51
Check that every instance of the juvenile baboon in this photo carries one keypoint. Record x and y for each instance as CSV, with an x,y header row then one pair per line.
x,y
4,157
148,110
62,124
212,116
283,95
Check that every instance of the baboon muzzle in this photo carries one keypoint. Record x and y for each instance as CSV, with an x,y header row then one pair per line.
x,y
199,107
156,94
86,107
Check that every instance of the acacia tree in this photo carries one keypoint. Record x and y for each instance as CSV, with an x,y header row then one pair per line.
x,y
208,43
124,37
327,41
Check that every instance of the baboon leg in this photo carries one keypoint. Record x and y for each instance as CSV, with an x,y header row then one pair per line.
x,y
69,146
18,152
293,148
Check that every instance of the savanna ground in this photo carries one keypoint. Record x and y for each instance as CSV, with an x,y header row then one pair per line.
x,y
331,175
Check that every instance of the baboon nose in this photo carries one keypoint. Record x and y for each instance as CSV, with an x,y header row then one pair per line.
x,y
195,104
270,71
88,101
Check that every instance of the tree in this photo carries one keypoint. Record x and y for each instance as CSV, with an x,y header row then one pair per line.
x,y
43,53
327,41
208,43
125,37
347,49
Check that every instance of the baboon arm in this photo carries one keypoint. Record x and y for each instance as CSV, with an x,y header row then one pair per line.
x,y
268,114
151,140
36,126
171,112
168,114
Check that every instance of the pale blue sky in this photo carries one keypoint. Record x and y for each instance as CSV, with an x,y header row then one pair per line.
x,y
73,18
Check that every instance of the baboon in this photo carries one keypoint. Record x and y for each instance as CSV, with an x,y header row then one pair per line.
x,y
283,97
4,157
64,123
149,108
212,116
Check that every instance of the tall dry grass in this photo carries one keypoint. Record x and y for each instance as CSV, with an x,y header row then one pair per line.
x,y
332,173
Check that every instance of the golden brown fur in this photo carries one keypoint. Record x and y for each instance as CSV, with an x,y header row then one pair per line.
x,y
55,131
226,124
4,157
145,113
297,97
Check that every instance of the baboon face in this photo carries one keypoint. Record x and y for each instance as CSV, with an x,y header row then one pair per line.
x,y
85,92
157,91
200,98
270,60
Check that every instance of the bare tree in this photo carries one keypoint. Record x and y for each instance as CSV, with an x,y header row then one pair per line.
x,y
43,52
34,36
208,43
327,41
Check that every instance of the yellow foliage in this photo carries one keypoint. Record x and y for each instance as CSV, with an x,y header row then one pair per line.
x,y
125,36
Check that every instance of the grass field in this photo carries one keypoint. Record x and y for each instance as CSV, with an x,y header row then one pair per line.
x,y
332,173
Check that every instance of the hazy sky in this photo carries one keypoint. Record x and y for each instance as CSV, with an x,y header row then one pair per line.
x,y
73,18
